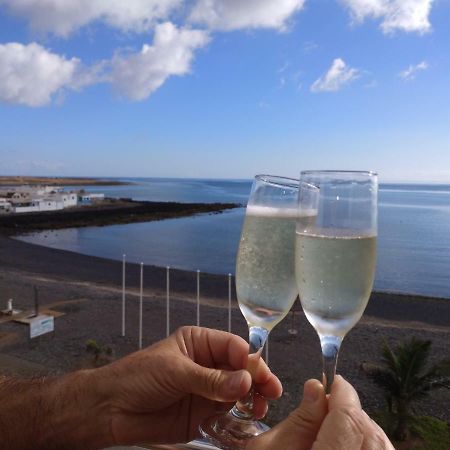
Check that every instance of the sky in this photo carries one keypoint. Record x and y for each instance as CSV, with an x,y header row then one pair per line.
x,y
225,88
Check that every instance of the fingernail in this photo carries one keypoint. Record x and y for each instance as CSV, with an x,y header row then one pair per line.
x,y
311,391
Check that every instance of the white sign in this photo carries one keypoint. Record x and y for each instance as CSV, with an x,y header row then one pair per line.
x,y
40,325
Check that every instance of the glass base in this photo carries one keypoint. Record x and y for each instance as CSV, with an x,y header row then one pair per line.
x,y
228,432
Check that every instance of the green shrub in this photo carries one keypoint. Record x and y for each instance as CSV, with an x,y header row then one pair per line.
x,y
406,377
93,347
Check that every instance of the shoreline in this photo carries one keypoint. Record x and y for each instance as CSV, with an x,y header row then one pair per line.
x,y
387,293
26,257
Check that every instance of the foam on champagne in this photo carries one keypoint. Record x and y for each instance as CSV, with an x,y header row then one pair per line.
x,y
270,211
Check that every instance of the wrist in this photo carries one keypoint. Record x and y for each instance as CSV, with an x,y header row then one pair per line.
x,y
75,413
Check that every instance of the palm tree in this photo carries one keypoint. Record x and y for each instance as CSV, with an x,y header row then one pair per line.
x,y
406,376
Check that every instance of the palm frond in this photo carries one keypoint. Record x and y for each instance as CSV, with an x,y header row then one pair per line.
x,y
404,374
405,377
413,356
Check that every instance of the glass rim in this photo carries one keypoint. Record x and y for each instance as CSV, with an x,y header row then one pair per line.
x,y
341,172
277,181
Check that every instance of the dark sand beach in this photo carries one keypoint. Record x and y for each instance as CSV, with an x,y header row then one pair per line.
x,y
87,290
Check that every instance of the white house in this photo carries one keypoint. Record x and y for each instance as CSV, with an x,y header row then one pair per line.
x,y
25,209
5,205
88,197
67,198
38,205
49,204
23,199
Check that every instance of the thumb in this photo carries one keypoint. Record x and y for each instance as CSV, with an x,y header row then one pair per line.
x,y
219,385
345,425
300,429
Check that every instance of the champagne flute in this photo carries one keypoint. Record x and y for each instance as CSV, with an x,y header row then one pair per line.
x,y
335,254
266,291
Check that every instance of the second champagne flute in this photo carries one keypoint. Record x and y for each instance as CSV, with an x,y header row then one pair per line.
x,y
335,254
266,290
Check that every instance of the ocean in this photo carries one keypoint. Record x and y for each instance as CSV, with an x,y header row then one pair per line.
x,y
413,234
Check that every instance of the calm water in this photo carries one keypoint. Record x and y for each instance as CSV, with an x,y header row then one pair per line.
x,y
413,244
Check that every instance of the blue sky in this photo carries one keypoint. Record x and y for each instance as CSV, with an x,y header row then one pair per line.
x,y
225,88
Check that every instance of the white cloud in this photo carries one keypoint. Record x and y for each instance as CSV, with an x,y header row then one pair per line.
x,y
405,15
237,14
137,75
62,17
411,71
337,77
32,75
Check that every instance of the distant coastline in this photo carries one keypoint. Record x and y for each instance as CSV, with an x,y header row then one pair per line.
x,y
112,212
59,181
209,242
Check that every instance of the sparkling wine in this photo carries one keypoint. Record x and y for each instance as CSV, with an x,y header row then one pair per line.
x,y
265,277
334,277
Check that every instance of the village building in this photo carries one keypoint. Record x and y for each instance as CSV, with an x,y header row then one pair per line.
x,y
26,199
5,205
88,197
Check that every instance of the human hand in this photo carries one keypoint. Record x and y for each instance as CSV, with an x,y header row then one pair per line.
x,y
162,393
346,425
338,423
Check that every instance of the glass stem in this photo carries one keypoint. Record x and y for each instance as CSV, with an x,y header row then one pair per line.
x,y
243,409
330,350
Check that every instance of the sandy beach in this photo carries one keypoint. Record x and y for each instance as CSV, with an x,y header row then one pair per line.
x,y
87,290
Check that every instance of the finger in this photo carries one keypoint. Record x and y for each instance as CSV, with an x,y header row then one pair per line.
x,y
217,385
258,369
342,429
345,424
375,438
272,389
260,406
343,395
299,430
214,348
266,383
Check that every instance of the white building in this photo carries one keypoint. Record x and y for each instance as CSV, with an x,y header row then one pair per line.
x,y
5,205
67,198
88,197
24,199
25,209
38,205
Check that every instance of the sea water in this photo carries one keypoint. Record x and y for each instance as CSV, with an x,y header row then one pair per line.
x,y
413,232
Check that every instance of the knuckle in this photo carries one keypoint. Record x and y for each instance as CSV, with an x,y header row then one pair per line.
x,y
184,330
213,380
